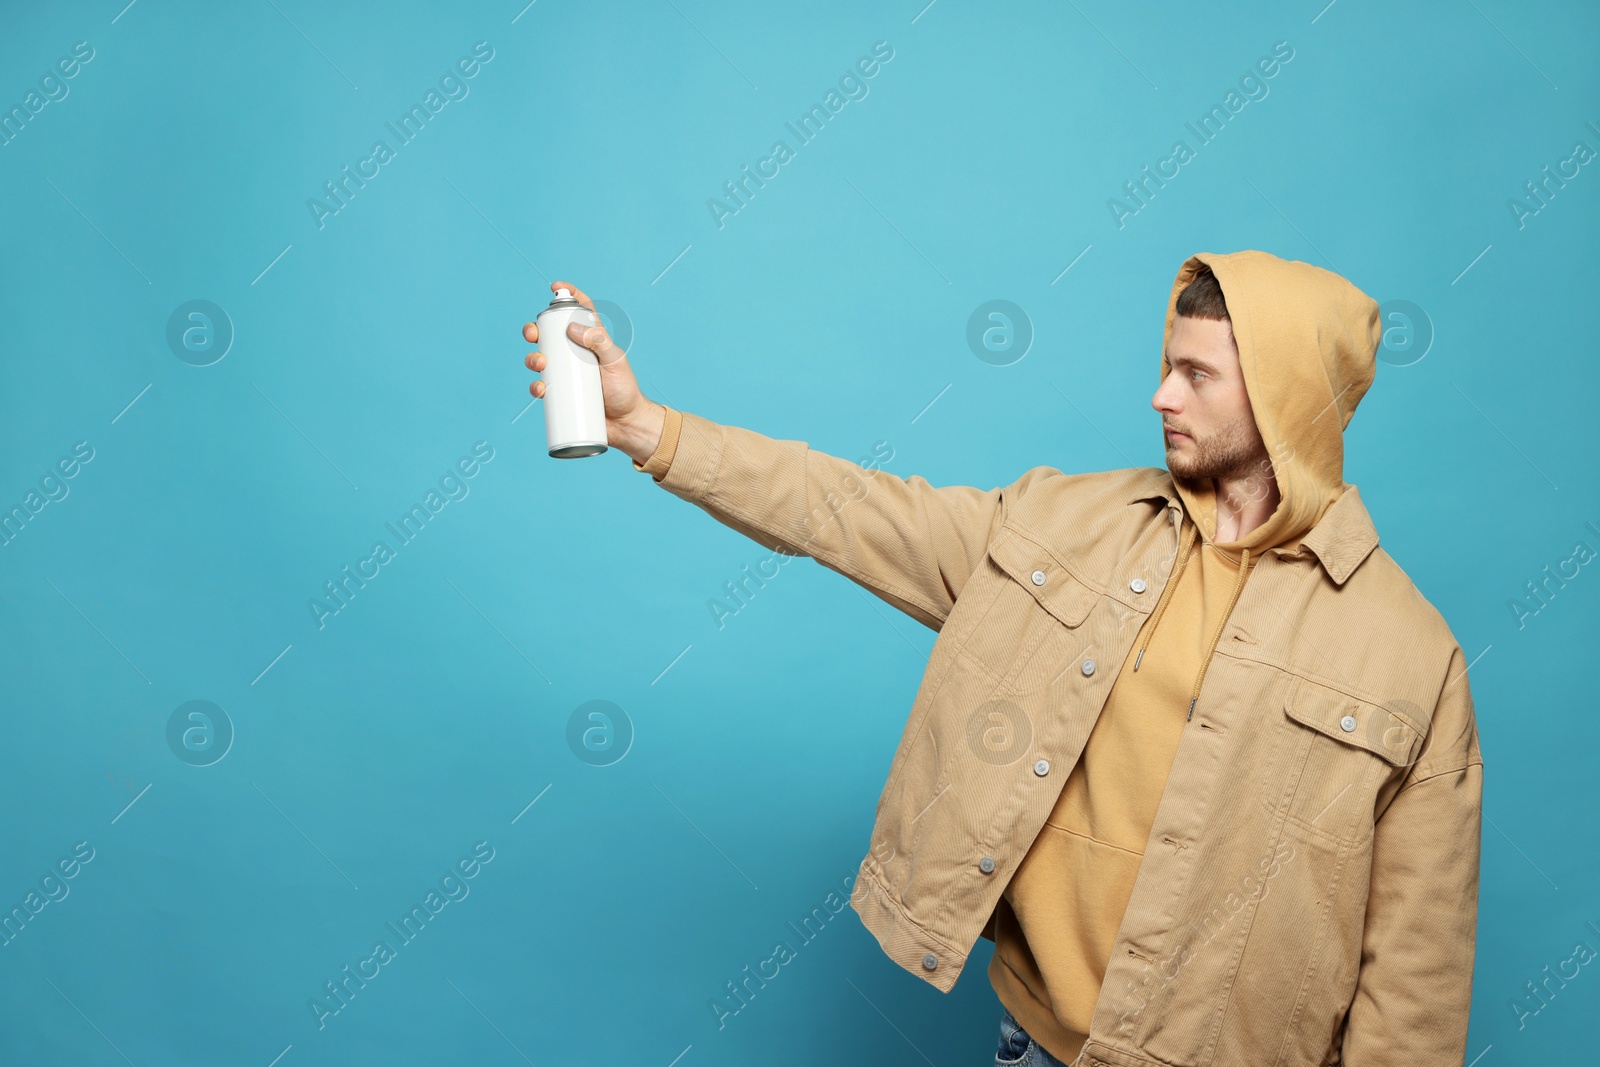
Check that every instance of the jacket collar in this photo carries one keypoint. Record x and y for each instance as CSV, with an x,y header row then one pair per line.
x,y
1341,540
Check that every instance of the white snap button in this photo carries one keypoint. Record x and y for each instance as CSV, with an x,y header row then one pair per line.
x,y
1137,585
1088,666
986,865
1038,577
930,961
1042,768
1348,723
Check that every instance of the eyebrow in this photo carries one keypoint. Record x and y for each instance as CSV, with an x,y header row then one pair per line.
x,y
1188,361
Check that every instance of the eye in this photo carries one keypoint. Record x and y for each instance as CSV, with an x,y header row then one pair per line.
x,y
1201,374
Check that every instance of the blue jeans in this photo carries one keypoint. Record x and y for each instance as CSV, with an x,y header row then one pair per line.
x,y
1017,1049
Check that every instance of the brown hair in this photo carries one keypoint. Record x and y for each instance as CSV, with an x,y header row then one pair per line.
x,y
1202,297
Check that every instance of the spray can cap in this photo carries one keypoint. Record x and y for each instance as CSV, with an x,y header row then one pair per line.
x,y
564,299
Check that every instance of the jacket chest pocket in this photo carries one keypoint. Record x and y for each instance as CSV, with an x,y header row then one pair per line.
x,y
1030,628
1343,747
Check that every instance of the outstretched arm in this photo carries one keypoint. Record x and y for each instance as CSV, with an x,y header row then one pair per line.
x,y
910,543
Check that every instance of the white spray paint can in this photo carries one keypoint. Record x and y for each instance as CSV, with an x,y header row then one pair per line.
x,y
574,406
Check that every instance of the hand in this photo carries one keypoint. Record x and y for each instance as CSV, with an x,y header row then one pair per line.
x,y
633,421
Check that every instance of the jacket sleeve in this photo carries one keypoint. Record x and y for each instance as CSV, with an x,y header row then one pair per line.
x,y
1414,992
909,543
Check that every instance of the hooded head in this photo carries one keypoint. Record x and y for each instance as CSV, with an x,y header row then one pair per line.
x,y
1307,340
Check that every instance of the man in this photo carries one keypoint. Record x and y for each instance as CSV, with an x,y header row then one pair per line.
x,y
1190,747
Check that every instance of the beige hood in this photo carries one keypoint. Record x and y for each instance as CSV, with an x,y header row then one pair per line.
x,y
1307,342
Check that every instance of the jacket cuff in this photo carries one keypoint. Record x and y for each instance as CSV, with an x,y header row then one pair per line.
x,y
660,460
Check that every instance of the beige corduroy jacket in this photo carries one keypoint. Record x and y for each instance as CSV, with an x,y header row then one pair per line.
x,y
1310,887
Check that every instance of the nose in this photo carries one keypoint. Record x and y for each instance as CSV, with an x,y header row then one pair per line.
x,y
1164,399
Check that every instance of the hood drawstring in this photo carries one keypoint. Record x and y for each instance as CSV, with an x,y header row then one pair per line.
x,y
1187,543
1244,569
1184,544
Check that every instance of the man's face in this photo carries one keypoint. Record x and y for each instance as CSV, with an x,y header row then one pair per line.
x,y
1210,427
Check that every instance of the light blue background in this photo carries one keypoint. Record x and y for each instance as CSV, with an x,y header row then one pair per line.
x,y
372,353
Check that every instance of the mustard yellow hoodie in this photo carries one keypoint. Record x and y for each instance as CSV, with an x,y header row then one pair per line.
x,y
1306,339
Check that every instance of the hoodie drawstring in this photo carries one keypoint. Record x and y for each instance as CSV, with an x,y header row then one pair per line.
x,y
1166,595
1185,542
1244,568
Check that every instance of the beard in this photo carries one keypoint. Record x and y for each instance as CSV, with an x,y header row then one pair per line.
x,y
1233,452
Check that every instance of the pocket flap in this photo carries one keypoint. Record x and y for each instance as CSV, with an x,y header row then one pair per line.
x,y
1354,721
1060,593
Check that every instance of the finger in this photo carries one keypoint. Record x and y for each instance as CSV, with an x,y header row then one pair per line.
x,y
537,389
530,333
596,339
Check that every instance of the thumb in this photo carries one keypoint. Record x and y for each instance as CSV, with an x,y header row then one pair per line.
x,y
597,340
